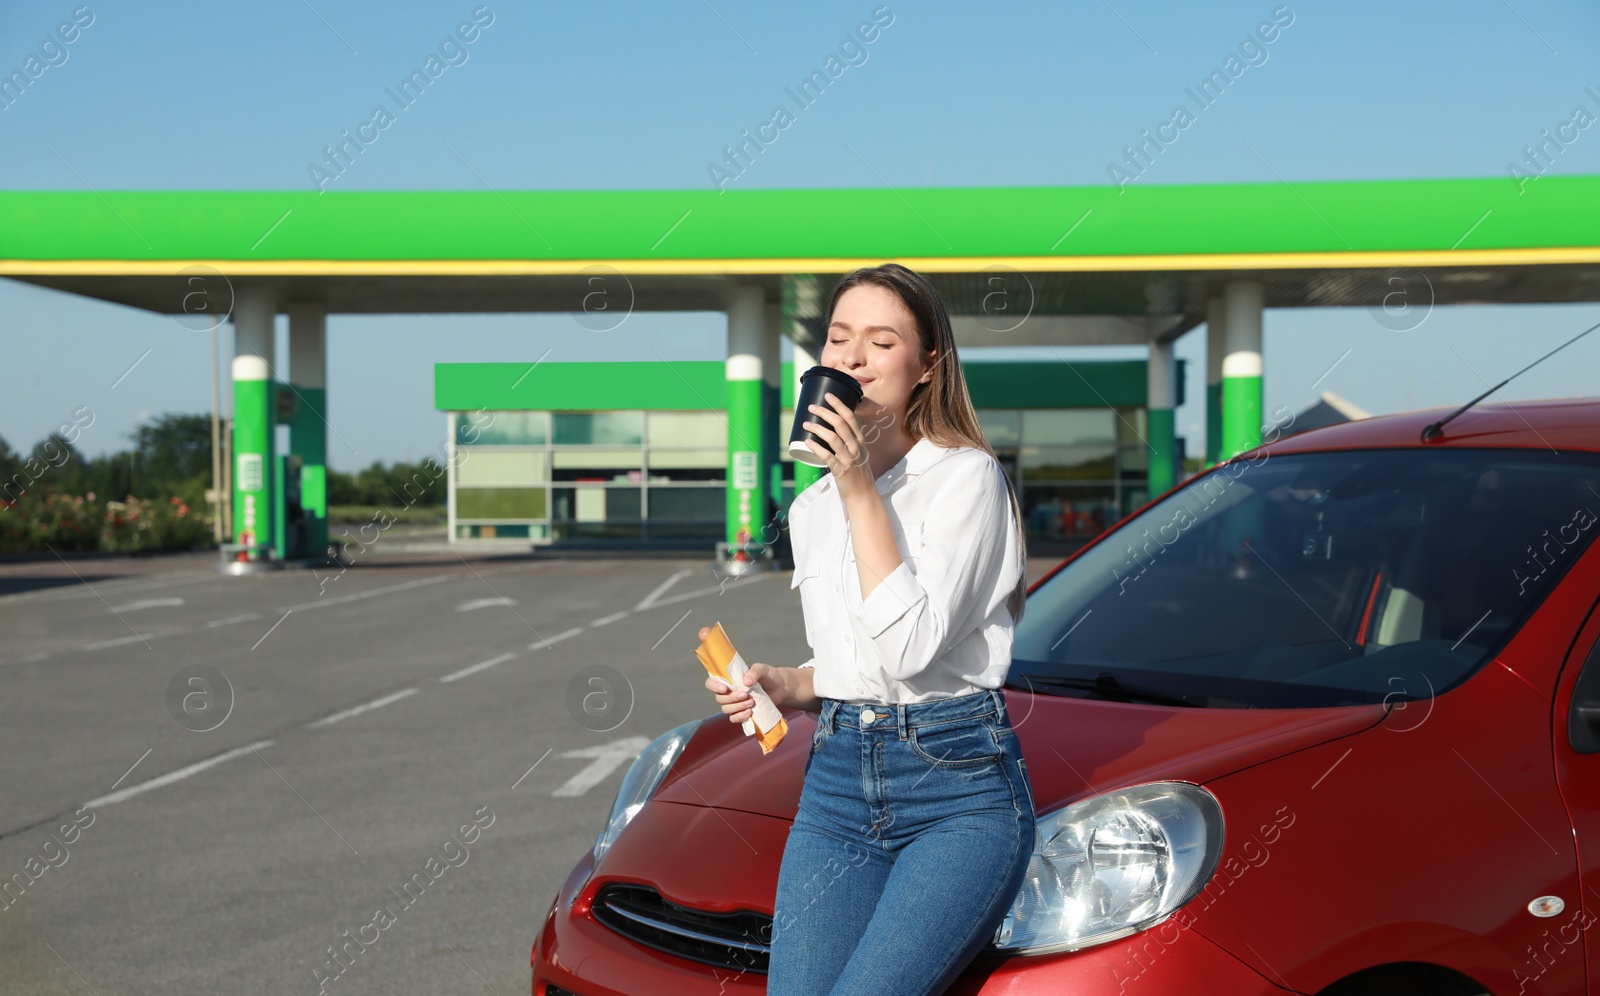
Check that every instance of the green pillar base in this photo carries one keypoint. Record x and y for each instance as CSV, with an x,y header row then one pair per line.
x,y
1213,422
747,485
308,439
1163,460
1241,415
254,464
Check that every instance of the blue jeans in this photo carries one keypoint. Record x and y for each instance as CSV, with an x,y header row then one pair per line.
x,y
915,827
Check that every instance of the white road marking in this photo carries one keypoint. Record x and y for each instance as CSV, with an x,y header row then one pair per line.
x,y
483,603
322,603
175,776
118,586
738,582
650,599
148,603
230,620
555,639
606,759
474,669
607,620
358,710
104,644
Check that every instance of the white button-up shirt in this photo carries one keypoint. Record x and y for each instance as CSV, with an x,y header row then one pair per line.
x,y
937,625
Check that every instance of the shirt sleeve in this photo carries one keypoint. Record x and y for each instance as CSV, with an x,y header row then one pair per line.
x,y
794,549
963,573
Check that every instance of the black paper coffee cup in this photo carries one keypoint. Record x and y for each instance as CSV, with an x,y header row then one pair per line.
x,y
814,384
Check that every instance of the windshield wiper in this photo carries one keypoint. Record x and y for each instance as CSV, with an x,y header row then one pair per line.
x,y
1107,684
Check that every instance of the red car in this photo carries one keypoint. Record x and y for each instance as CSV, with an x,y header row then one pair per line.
x,y
1324,719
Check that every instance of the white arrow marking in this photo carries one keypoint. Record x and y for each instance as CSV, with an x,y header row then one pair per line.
x,y
148,603
650,599
606,759
484,603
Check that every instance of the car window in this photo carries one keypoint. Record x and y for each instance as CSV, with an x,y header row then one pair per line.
x,y
1319,578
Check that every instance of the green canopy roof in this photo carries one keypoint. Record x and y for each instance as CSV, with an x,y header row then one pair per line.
x,y
771,230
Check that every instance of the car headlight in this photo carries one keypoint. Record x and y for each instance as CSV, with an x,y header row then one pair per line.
x,y
1113,865
641,781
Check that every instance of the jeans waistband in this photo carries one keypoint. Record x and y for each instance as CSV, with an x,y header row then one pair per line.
x,y
899,715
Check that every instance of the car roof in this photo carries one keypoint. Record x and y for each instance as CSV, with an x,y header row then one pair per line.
x,y
1545,424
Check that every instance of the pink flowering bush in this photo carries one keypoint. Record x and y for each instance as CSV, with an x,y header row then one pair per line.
x,y
138,524
34,523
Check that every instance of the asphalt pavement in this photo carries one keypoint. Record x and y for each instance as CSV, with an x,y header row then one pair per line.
x,y
211,782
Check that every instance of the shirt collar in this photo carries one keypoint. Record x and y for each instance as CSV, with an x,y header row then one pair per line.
x,y
924,453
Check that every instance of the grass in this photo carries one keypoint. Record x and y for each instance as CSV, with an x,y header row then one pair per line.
x,y
414,515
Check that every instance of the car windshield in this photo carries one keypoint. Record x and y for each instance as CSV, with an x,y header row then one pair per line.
x,y
1314,579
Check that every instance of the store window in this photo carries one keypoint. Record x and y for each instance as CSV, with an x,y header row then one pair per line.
x,y
667,466
515,428
687,505
598,428
485,466
500,503
1001,427
621,466
1068,463
594,503
1068,512
705,430
1068,426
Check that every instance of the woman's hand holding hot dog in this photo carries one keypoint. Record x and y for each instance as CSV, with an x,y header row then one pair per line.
x,y
784,685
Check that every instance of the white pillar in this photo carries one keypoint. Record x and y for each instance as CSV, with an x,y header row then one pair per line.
x,y
254,309
308,358
1241,367
1160,419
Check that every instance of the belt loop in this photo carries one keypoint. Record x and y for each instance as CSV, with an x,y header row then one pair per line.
x,y
830,709
900,718
999,705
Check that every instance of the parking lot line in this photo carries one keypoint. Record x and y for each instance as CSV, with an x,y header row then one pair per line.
x,y
174,776
555,639
105,644
357,596
364,707
474,669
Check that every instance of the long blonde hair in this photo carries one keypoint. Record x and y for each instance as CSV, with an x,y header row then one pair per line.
x,y
940,410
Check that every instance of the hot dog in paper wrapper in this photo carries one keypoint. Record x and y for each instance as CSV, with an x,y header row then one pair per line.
x,y
724,663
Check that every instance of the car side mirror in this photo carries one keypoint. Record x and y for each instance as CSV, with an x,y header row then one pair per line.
x,y
1583,718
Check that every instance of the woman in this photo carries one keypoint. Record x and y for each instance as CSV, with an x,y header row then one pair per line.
x,y
916,820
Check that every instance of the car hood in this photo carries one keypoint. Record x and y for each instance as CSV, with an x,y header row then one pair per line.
x,y
1075,748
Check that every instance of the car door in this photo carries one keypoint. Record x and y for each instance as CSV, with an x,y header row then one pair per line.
x,y
1577,755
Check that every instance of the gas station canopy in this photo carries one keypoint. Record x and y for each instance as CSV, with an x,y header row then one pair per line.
x,y
1017,266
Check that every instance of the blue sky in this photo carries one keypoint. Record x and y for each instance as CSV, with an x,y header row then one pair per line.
x,y
608,96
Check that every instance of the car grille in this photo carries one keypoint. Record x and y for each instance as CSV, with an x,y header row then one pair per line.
x,y
739,940
551,989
